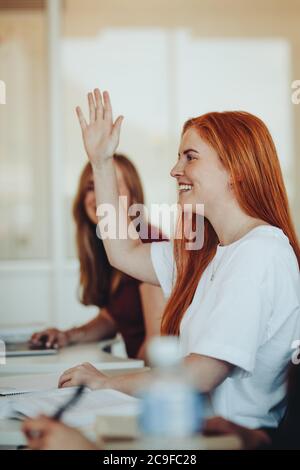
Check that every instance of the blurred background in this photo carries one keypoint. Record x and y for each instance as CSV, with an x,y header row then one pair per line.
x,y
163,62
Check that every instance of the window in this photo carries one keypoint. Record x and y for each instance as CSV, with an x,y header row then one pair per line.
x,y
24,189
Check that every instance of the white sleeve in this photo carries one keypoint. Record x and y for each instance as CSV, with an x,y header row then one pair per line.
x,y
235,327
163,263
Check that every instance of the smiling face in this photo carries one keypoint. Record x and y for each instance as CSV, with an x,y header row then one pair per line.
x,y
90,197
200,175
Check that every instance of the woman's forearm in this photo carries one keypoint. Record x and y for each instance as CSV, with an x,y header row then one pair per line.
x,y
129,383
99,328
204,373
117,244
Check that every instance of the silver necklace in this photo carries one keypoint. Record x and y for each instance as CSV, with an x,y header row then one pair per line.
x,y
214,269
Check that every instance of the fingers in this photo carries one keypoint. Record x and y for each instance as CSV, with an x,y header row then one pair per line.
x,y
99,104
40,339
67,376
71,382
82,121
117,128
83,374
36,431
107,107
37,424
92,107
36,337
51,339
70,377
99,108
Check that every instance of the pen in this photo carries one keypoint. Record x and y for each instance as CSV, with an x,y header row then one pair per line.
x,y
58,414
71,402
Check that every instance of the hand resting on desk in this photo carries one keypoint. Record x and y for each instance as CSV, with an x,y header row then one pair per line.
x,y
83,374
49,338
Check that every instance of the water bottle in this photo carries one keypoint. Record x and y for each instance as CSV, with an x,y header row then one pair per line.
x,y
170,406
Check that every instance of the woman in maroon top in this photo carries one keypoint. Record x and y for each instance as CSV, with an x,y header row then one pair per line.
x,y
126,305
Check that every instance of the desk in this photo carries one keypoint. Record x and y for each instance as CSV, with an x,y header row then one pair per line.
x,y
11,436
10,429
193,443
66,358
123,433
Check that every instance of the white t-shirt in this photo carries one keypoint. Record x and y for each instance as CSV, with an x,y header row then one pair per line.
x,y
248,315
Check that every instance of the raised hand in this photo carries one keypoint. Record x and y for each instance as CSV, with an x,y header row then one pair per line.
x,y
100,136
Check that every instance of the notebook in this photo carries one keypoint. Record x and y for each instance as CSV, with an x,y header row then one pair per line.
x,y
84,413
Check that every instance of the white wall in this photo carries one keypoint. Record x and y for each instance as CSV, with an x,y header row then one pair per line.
x,y
158,79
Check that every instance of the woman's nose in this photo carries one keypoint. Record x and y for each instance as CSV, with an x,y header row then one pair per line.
x,y
177,170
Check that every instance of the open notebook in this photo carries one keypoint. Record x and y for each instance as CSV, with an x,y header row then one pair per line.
x,y
91,404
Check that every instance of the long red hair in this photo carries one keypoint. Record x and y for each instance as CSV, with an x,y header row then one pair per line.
x,y
247,151
98,279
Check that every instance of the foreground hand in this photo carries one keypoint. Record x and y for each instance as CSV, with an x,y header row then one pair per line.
x,y
101,136
83,374
49,338
44,433
251,438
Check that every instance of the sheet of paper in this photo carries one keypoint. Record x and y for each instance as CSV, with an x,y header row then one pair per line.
x,y
84,413
28,383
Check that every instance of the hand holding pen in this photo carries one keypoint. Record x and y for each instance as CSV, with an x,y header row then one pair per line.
x,y
69,403
49,433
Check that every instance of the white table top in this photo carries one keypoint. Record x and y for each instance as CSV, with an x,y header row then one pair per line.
x,y
66,358
11,435
10,429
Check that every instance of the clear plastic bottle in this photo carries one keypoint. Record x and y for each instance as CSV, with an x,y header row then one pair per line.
x,y
171,406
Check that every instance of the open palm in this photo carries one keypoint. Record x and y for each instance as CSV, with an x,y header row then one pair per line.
x,y
100,136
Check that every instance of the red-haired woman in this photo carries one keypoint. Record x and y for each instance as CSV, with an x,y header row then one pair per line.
x,y
126,305
236,301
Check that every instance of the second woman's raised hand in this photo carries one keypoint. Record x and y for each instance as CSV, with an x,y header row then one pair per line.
x,y
101,135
